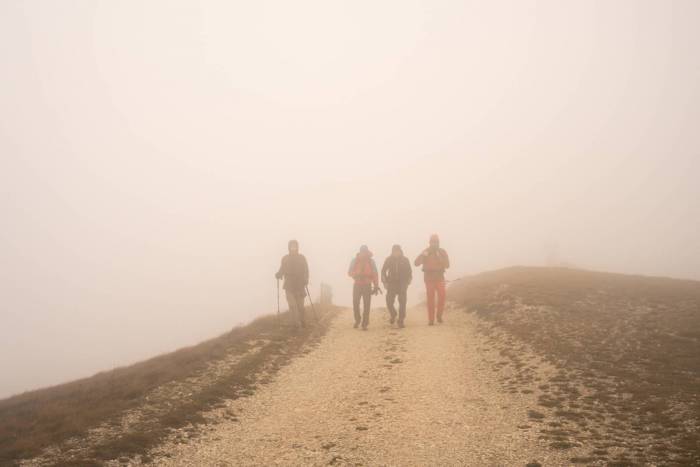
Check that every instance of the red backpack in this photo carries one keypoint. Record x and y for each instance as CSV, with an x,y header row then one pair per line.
x,y
362,267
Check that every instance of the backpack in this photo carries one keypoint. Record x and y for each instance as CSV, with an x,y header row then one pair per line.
x,y
362,267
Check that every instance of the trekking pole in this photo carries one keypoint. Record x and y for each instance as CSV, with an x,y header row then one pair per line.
x,y
312,304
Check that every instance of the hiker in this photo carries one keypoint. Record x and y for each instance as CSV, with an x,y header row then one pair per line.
x,y
364,272
434,261
396,276
295,271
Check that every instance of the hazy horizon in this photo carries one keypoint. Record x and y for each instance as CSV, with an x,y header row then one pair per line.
x,y
158,156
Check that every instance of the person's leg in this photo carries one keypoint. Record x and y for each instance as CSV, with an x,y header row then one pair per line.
x,y
430,291
367,301
440,288
402,306
390,299
356,293
292,302
300,309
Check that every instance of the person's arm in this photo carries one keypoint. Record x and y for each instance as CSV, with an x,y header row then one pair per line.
x,y
445,260
352,266
385,270
420,259
409,269
282,270
375,276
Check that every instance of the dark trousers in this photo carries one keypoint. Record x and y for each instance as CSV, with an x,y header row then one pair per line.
x,y
296,305
391,294
363,291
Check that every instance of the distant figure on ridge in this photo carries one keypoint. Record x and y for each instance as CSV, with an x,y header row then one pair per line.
x,y
363,270
295,271
396,276
434,261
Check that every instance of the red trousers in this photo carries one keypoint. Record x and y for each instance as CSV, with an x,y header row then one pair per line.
x,y
432,288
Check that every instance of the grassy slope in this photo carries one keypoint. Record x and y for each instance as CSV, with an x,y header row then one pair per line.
x,y
627,349
34,420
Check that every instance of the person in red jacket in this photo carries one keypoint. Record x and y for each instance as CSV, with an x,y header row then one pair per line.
x,y
363,270
434,261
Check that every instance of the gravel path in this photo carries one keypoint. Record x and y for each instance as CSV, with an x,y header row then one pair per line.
x,y
415,396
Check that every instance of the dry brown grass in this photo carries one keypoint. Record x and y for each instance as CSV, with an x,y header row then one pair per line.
x,y
32,421
632,342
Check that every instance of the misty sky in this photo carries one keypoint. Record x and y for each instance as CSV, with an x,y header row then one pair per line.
x,y
155,157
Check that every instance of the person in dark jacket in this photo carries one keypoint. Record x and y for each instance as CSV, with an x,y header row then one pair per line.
x,y
396,276
363,270
434,261
295,271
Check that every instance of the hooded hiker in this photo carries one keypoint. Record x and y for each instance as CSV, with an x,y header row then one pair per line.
x,y
396,276
434,261
295,272
364,272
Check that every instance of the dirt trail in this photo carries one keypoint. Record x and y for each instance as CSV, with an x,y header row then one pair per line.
x,y
415,396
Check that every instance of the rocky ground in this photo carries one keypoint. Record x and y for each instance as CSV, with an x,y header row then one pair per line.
x,y
415,396
199,382
624,356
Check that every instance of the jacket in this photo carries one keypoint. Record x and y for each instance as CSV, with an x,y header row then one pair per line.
x,y
397,272
434,264
295,270
363,270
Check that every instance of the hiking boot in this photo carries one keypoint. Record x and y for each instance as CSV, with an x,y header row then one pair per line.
x,y
356,325
364,328
391,320
439,319
401,325
430,323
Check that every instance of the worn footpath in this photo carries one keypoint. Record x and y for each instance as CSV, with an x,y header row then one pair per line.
x,y
423,395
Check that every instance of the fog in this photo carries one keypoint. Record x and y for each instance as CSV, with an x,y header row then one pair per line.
x,y
157,156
